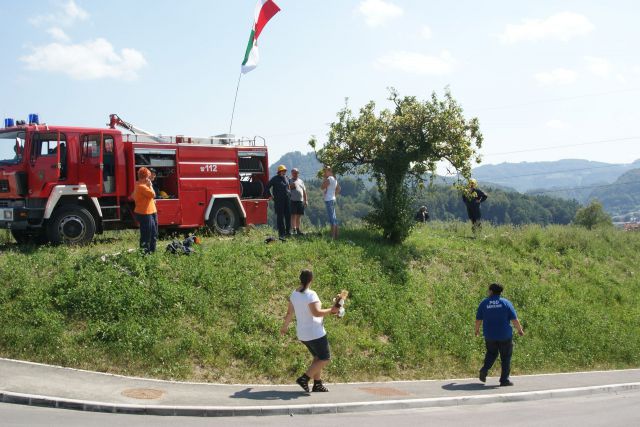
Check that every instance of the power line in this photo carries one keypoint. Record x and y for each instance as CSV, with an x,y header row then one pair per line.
x,y
550,100
533,193
626,139
557,171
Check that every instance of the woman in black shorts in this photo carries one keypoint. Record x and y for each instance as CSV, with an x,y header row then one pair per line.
x,y
310,329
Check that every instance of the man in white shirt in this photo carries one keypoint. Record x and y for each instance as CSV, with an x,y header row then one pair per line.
x,y
330,187
298,200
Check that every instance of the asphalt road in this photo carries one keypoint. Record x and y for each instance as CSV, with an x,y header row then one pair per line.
x,y
622,409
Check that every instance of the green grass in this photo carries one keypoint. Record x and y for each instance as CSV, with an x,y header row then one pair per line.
x,y
215,315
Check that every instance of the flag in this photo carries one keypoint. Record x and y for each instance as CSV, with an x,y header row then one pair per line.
x,y
265,10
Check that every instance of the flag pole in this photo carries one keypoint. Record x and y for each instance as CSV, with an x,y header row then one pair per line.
x,y
233,111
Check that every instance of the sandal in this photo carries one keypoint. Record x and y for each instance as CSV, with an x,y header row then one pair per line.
x,y
318,386
303,382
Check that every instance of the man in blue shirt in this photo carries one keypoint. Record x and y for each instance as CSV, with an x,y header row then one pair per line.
x,y
494,314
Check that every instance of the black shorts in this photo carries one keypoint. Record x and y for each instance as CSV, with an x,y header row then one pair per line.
x,y
319,348
297,208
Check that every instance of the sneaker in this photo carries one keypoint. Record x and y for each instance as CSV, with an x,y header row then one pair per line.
x,y
483,376
303,382
506,383
282,239
319,387
300,233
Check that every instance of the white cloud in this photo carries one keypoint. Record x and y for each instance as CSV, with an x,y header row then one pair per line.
x,y
68,13
417,63
556,124
58,34
561,26
559,76
379,12
425,32
601,67
95,59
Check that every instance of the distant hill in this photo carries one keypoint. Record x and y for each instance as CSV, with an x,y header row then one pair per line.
x,y
306,163
523,177
569,179
561,174
622,197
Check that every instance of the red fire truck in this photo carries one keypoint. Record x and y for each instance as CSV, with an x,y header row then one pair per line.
x,y
63,184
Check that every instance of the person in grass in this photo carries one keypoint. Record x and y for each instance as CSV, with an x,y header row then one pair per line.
x,y
279,188
494,314
472,198
422,215
145,210
298,200
330,188
306,305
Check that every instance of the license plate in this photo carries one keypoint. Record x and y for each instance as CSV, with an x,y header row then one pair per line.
x,y
6,214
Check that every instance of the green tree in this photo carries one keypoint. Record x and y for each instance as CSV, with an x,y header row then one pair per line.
x,y
592,216
399,147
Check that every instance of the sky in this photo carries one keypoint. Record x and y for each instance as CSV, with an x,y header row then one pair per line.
x,y
548,79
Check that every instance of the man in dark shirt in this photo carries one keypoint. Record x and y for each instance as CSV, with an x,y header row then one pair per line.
x,y
279,187
472,198
422,215
494,314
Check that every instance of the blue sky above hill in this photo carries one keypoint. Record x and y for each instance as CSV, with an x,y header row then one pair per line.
x,y
539,74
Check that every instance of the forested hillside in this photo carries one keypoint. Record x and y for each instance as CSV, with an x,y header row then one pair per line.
x,y
623,196
542,183
444,203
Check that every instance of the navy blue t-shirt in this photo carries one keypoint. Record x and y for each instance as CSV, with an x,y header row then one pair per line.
x,y
496,313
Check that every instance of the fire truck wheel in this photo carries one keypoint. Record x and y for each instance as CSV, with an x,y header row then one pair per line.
x,y
24,237
71,225
224,218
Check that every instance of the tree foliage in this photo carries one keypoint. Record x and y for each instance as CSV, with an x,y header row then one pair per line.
x,y
399,147
592,216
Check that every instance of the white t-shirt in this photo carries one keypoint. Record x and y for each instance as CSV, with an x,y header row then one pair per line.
x,y
308,327
330,192
297,194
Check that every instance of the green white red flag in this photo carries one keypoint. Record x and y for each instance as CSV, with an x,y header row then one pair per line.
x,y
265,10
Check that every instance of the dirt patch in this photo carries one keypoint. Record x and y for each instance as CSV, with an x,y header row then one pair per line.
x,y
143,393
384,391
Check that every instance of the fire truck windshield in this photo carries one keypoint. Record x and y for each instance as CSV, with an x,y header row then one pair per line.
x,y
11,147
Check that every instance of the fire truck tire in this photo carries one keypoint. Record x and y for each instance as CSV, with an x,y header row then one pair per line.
x,y
71,225
24,237
224,218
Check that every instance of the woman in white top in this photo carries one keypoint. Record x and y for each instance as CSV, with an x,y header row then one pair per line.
x,y
330,187
310,329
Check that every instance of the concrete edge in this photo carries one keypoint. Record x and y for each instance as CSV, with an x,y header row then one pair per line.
x,y
326,408
212,384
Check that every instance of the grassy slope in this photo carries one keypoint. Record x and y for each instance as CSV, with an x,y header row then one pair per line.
x,y
215,315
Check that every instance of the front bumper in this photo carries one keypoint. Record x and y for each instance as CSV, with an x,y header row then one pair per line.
x,y
14,218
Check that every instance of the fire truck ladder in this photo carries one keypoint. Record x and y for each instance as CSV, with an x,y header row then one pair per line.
x,y
114,121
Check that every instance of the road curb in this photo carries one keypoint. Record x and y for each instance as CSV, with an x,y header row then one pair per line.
x,y
328,408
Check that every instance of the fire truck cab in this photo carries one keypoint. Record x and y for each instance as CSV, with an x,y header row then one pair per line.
x,y
64,184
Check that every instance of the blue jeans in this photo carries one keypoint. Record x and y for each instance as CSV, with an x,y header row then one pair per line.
x,y
148,231
331,211
505,349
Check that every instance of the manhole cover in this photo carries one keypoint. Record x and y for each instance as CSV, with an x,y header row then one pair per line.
x,y
384,391
143,393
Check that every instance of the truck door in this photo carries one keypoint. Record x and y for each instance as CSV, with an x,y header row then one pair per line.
x,y
48,159
90,170
194,204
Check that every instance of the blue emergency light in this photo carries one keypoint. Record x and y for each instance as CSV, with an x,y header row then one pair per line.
x,y
34,119
8,123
